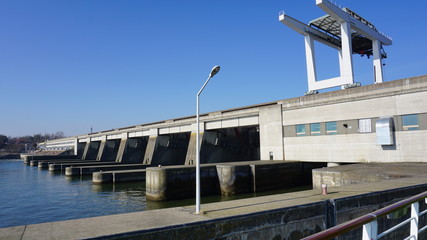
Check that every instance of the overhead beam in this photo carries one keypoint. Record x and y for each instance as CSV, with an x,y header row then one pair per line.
x,y
342,16
305,30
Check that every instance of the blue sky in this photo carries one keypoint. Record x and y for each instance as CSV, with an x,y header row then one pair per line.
x,y
72,64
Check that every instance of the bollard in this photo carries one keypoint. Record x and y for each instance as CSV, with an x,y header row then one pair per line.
x,y
324,189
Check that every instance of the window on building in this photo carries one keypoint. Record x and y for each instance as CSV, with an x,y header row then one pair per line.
x,y
300,130
365,125
315,129
410,122
331,128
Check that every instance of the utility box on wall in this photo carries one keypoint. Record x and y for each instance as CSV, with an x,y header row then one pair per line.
x,y
385,131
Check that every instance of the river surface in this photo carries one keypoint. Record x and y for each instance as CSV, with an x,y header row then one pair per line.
x,y
29,195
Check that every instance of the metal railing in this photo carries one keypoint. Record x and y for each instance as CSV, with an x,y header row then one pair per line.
x,y
370,221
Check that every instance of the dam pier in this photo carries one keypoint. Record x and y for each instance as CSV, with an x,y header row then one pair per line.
x,y
301,134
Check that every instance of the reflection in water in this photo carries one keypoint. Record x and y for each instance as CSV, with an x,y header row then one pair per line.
x,y
30,196
130,195
151,205
33,196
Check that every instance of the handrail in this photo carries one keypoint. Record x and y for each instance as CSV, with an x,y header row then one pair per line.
x,y
360,221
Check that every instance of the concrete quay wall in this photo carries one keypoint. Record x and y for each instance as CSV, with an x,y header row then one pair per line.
x,y
289,223
364,173
175,182
281,216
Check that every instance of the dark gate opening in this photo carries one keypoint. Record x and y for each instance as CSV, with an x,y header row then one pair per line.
x,y
110,150
135,150
171,149
92,151
80,149
230,145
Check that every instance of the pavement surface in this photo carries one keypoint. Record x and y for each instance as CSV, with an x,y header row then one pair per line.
x,y
396,176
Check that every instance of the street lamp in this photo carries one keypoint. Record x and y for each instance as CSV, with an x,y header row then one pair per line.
x,y
214,71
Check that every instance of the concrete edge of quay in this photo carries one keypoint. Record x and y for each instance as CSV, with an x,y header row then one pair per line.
x,y
289,215
291,222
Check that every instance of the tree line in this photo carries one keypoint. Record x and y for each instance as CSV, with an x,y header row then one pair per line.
x,y
26,143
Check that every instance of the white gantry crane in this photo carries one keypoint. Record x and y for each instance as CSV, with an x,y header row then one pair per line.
x,y
345,31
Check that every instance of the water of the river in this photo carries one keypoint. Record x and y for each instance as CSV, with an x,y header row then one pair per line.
x,y
29,195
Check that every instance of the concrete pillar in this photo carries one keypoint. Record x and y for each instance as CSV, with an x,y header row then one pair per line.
x,y
151,145
122,147
234,179
310,61
169,183
76,145
271,133
346,63
101,148
156,184
378,65
86,150
190,158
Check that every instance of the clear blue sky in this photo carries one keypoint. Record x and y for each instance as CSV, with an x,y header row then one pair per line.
x,y
71,64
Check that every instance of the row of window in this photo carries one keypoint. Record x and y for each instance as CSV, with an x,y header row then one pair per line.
x,y
331,129
409,122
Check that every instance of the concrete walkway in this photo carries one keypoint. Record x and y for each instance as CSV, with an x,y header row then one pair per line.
x,y
122,223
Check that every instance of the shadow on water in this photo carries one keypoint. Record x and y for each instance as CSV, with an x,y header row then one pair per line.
x,y
151,205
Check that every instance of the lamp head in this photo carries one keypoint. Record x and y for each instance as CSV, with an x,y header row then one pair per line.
x,y
214,71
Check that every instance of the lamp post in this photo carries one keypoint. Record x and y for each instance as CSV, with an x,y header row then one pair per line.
x,y
214,71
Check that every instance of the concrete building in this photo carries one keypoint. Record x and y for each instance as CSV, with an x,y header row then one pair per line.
x,y
383,122
344,126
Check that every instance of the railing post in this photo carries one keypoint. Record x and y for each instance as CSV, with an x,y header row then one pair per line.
x,y
415,207
370,231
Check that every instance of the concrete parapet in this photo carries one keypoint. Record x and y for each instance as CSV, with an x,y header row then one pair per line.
x,y
268,176
104,177
168,183
45,164
61,166
366,172
38,162
27,158
78,170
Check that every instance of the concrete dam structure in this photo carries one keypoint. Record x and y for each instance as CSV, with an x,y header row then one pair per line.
x,y
383,122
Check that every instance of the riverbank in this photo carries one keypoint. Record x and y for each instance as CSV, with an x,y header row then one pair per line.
x,y
8,156
279,215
